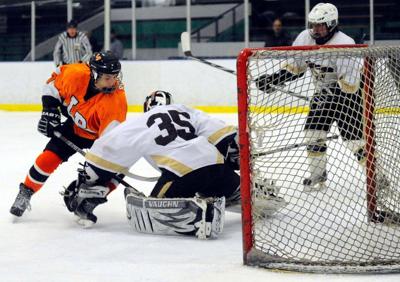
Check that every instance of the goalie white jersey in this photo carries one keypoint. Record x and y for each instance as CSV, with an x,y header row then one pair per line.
x,y
172,137
327,71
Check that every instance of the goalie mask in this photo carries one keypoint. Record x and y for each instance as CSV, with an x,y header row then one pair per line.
x,y
157,98
323,22
105,63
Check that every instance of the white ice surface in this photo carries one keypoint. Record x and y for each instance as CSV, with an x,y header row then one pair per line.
x,y
47,245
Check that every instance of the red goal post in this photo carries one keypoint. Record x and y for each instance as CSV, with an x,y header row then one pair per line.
x,y
269,113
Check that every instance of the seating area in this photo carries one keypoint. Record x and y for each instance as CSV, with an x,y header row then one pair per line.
x,y
354,20
15,42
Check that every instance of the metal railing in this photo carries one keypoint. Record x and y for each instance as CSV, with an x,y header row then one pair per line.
x,y
212,29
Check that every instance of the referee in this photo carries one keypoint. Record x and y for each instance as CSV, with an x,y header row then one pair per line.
x,y
72,46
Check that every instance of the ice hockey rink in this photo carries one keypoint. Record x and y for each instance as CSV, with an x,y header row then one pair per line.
x,y
47,245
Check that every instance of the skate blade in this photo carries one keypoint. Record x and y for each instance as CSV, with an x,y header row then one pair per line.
x,y
15,219
314,188
85,223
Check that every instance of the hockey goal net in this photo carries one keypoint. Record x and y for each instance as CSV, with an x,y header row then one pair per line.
x,y
349,223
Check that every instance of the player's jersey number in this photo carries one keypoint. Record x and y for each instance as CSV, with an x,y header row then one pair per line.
x,y
173,125
79,120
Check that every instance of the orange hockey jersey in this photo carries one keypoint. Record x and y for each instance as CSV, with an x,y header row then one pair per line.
x,y
91,117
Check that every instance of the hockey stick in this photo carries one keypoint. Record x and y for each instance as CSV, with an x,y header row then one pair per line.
x,y
294,146
80,151
83,153
185,42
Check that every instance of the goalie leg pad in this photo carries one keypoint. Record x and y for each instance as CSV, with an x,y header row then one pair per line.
x,y
201,217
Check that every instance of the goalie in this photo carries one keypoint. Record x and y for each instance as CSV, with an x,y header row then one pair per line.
x,y
337,97
189,197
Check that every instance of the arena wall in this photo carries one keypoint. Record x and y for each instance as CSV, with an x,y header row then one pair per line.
x,y
191,83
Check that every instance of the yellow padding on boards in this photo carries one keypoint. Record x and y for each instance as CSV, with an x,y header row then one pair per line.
x,y
21,107
131,108
207,109
139,108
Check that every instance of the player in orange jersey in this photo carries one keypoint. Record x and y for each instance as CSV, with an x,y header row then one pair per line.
x,y
92,98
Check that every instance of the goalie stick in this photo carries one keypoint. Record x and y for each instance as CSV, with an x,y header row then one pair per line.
x,y
125,172
185,42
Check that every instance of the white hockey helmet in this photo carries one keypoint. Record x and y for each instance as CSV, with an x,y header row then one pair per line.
x,y
323,13
157,98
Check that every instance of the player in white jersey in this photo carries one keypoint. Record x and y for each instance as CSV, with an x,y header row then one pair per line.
x,y
337,94
196,154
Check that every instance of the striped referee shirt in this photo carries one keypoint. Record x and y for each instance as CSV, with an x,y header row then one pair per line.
x,y
70,50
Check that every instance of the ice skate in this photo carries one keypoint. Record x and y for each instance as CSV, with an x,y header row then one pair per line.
x,y
22,202
315,183
84,213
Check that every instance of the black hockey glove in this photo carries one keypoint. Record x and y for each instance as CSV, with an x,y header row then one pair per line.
x,y
232,155
49,121
266,82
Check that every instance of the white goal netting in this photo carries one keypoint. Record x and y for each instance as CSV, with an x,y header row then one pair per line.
x,y
323,126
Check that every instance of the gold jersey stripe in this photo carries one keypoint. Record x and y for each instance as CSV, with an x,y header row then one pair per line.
x,y
105,164
315,154
294,69
347,87
220,134
173,165
220,159
164,189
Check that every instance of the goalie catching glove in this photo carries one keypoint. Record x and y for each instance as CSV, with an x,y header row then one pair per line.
x,y
229,148
232,154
